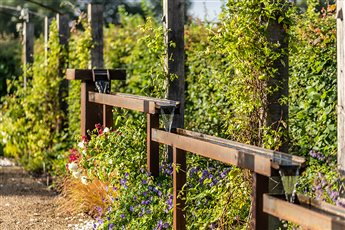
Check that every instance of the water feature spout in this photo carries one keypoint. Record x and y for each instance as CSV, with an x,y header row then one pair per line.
x,y
167,112
289,177
102,86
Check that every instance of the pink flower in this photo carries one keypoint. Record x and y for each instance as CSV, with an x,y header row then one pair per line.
x,y
73,156
99,128
84,138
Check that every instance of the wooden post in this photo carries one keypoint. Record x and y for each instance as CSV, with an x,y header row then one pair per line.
x,y
95,12
179,177
341,91
92,113
28,47
152,147
341,84
47,22
64,33
173,19
260,186
276,114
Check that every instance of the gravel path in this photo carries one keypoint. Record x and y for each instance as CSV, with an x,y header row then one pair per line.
x,y
26,203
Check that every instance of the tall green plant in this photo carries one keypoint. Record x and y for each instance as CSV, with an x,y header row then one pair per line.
x,y
31,115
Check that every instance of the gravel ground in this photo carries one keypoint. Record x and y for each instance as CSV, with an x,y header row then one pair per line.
x,y
26,203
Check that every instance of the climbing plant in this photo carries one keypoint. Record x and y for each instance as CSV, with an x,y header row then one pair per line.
x,y
32,131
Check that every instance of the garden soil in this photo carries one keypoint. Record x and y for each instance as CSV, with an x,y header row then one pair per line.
x,y
27,203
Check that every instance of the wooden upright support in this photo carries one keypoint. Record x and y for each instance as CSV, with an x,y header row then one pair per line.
x,y
277,113
47,22
92,113
341,91
64,34
174,30
173,19
95,17
152,147
260,186
179,177
28,47
341,83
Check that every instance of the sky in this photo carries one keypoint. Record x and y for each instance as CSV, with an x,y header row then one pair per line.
x,y
203,8
208,8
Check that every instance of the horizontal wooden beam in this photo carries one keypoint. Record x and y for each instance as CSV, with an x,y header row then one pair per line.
x,y
278,159
310,214
229,152
128,101
214,151
87,75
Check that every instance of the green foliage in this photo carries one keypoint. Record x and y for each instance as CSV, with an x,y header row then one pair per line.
x,y
313,84
107,156
31,116
145,70
313,95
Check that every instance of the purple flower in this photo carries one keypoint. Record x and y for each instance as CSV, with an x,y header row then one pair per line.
x,y
317,155
131,209
159,225
204,173
111,226
169,202
123,182
213,225
122,216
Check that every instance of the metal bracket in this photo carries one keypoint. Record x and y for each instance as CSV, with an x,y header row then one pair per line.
x,y
102,80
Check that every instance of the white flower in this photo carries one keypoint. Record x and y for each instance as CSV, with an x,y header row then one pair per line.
x,y
84,180
106,130
84,152
72,167
76,174
81,144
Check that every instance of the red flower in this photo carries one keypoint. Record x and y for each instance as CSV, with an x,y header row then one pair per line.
x,y
99,128
73,156
84,138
